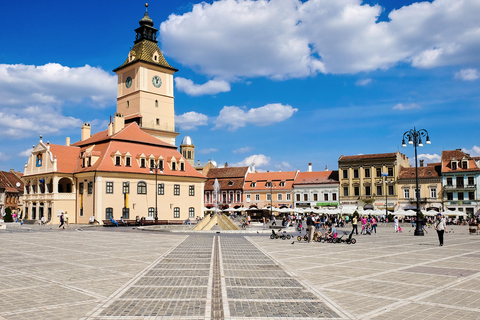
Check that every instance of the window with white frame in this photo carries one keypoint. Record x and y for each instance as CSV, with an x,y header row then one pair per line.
x,y
249,198
289,197
433,192
191,212
176,212
279,197
305,197
269,197
239,197
257,196
282,184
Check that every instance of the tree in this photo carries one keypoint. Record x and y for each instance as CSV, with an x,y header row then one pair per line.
x,y
8,215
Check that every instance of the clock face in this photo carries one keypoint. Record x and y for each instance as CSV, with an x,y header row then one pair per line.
x,y
157,82
128,82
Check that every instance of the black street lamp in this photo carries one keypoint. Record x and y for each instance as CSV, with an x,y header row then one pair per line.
x,y
155,167
415,137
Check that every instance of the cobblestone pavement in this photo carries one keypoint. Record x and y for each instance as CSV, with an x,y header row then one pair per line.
x,y
104,273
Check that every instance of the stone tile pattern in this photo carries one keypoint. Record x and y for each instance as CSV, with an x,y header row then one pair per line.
x,y
257,287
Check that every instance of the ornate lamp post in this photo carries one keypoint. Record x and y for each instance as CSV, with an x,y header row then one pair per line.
x,y
415,137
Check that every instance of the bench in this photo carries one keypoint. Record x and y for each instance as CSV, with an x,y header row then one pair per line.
x,y
144,222
108,223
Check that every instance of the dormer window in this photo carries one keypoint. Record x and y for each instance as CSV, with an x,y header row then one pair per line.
x,y
182,166
230,183
174,166
253,184
142,163
282,184
152,163
454,165
89,162
464,164
128,162
160,164
117,161
268,184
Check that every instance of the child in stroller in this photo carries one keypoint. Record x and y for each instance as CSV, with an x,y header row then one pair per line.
x,y
367,229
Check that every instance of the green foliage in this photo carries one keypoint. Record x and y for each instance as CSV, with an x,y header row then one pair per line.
x,y
8,215
355,214
390,217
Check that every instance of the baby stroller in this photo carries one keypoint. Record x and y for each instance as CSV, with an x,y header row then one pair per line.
x,y
300,226
367,229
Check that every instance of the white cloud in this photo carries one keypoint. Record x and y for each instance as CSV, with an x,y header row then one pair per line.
x,y
429,158
408,106
53,84
235,117
283,166
467,74
26,153
207,150
474,152
210,87
243,150
363,82
288,38
259,160
21,122
191,120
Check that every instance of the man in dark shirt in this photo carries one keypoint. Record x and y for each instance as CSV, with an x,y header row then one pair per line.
x,y
310,227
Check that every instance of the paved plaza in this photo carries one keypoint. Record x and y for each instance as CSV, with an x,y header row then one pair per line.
x,y
126,273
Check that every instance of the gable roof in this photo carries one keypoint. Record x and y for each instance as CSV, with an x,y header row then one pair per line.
x,y
67,157
261,178
449,155
131,132
9,180
367,156
316,177
227,172
431,170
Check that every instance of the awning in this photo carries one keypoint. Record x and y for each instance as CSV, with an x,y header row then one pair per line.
x,y
368,206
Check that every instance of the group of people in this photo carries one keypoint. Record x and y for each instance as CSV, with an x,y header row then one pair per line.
x,y
63,220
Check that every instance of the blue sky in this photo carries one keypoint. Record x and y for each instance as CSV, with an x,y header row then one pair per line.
x,y
279,83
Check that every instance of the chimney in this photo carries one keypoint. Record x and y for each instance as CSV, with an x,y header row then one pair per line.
x,y
86,130
421,163
326,168
309,167
253,167
118,122
110,129
67,142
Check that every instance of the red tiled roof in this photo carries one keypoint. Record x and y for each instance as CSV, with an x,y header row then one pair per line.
x,y
225,184
228,172
368,156
432,170
276,177
316,177
449,155
9,181
131,132
67,157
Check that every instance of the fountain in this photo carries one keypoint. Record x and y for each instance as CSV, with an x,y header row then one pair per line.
x,y
216,193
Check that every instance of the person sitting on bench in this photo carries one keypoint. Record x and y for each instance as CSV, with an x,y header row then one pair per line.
x,y
113,221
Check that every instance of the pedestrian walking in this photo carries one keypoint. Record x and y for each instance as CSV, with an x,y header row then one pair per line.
x,y
373,221
310,227
62,221
441,228
65,218
395,222
264,222
354,224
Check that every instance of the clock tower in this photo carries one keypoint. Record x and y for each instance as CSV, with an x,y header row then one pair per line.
x,y
145,85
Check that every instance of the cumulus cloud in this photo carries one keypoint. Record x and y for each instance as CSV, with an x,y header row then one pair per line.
x,y
21,122
54,84
259,160
283,165
474,152
234,117
408,106
210,87
191,120
363,82
467,74
289,38
243,150
207,150
26,153
428,158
